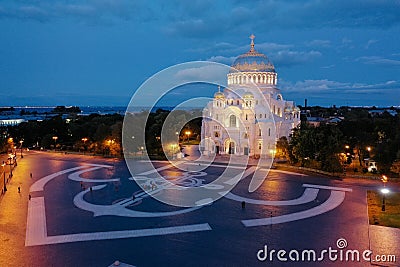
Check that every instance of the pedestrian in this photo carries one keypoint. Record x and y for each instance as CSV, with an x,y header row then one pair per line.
x,y
19,189
243,204
31,175
30,196
91,190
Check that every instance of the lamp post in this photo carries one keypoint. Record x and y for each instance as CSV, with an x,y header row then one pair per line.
x,y
55,142
4,177
10,158
384,191
188,135
84,144
21,148
173,146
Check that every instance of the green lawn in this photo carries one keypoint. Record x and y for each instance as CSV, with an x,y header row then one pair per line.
x,y
391,216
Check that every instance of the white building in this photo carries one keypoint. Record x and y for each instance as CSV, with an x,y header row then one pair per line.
x,y
250,115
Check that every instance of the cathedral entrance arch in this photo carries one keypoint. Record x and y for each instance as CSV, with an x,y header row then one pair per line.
x,y
230,146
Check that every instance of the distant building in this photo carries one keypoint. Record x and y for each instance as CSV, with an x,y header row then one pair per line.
x,y
241,119
379,112
317,121
10,122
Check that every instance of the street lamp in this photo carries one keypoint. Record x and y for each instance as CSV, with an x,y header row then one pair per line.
x,y
10,158
369,148
21,148
173,146
55,142
84,142
347,146
384,191
4,172
188,134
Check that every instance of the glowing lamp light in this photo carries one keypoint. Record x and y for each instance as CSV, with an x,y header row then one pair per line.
x,y
385,190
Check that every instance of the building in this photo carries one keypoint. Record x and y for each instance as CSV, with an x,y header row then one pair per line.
x,y
250,115
10,122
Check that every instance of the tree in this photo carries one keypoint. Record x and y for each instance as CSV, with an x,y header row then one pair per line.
x,y
282,148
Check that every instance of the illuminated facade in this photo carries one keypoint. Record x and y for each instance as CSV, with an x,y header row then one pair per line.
x,y
250,115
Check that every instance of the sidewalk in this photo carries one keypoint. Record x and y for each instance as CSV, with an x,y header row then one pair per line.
x,y
6,172
385,241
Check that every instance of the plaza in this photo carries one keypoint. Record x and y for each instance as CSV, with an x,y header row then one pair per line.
x,y
89,211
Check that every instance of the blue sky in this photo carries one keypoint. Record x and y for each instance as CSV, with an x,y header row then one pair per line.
x,y
97,52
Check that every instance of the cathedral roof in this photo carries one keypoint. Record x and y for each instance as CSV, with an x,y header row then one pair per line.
x,y
252,61
219,94
248,95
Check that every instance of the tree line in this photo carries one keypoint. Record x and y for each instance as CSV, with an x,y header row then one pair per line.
x,y
331,147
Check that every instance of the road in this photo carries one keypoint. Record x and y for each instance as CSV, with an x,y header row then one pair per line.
x,y
82,213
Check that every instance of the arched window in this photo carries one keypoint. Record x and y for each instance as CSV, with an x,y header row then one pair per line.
x,y
237,102
246,117
232,121
269,131
216,134
259,132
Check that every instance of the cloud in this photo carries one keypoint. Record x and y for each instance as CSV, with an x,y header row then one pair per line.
x,y
100,10
319,43
370,42
380,61
207,73
194,28
222,59
334,87
287,58
328,66
205,18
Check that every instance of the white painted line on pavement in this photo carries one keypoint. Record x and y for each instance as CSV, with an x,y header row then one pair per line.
x,y
328,187
336,198
240,176
310,194
76,176
39,185
36,222
288,172
121,211
120,234
217,165
159,169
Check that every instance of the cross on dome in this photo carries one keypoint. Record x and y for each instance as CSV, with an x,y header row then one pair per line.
x,y
252,37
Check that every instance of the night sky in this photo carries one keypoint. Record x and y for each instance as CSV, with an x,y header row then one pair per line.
x,y
98,52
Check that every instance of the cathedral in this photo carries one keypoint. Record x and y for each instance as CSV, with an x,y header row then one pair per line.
x,y
250,114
